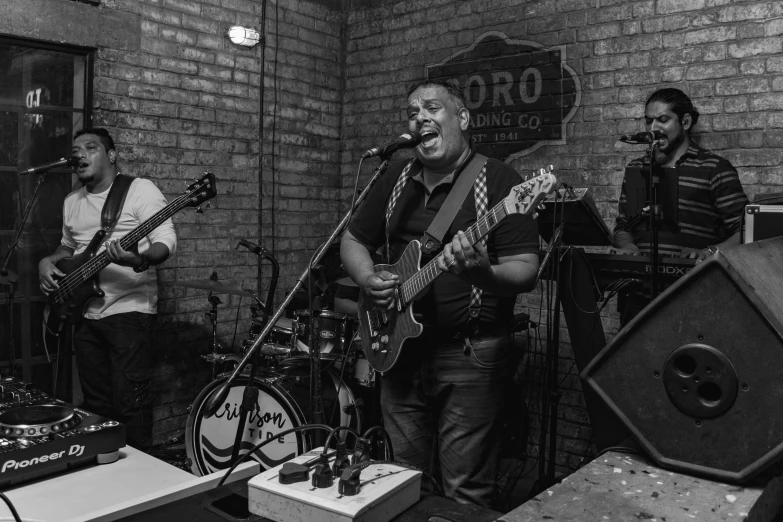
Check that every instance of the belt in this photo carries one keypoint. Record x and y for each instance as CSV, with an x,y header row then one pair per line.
x,y
469,330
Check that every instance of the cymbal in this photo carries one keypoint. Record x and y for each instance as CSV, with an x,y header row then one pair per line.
x,y
346,281
212,286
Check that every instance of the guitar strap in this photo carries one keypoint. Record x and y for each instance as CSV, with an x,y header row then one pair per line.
x,y
110,213
473,175
432,240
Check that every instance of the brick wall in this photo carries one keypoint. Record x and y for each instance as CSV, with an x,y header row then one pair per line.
x,y
181,99
190,101
725,54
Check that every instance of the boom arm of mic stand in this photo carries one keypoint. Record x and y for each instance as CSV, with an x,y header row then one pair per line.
x,y
219,396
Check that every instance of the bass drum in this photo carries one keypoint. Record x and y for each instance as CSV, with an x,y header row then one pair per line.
x,y
283,403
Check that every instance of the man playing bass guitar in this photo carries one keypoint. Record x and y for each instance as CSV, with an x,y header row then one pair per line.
x,y
442,401
113,339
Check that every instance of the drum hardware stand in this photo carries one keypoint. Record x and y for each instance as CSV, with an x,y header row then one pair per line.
x,y
250,395
220,394
212,317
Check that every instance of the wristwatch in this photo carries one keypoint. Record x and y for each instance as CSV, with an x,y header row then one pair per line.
x,y
143,266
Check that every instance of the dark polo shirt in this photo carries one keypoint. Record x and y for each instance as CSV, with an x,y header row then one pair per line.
x,y
445,305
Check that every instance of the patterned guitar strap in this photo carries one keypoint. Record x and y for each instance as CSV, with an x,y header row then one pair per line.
x,y
481,199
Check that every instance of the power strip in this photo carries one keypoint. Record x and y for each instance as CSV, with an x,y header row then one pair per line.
x,y
386,491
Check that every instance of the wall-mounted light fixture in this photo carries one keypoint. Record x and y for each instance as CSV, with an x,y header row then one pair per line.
x,y
244,36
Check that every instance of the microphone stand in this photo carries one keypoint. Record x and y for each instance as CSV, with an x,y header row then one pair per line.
x,y
219,395
652,170
250,395
8,278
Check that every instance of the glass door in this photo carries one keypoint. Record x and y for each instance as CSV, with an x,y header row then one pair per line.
x,y
45,97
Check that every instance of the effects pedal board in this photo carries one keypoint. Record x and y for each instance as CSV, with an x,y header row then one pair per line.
x,y
378,493
40,435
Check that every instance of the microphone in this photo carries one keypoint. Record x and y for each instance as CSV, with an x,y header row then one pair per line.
x,y
257,250
406,141
62,162
642,137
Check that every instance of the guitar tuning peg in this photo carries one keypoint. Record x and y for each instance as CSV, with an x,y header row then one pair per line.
x,y
541,207
209,205
535,215
199,210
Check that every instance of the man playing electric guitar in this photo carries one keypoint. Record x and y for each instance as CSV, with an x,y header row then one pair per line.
x,y
442,401
113,338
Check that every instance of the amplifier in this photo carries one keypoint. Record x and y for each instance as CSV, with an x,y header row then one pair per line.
x,y
40,435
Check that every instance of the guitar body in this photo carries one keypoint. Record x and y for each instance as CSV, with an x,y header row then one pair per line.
x,y
61,311
385,331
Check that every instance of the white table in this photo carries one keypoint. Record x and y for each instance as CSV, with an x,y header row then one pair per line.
x,y
132,484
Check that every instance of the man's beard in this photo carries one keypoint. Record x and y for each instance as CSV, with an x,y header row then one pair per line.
x,y
87,179
674,144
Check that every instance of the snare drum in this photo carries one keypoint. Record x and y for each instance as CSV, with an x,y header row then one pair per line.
x,y
279,341
335,332
283,403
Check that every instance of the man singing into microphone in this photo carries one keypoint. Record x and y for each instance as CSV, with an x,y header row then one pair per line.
x,y
113,339
704,187
442,400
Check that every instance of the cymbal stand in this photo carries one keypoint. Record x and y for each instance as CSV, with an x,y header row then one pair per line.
x,y
250,395
219,396
212,317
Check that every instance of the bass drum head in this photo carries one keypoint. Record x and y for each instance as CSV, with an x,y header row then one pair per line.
x,y
283,403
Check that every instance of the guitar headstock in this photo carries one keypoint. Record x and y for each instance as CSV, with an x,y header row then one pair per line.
x,y
525,197
201,190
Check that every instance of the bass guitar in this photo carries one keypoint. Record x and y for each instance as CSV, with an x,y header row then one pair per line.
x,y
384,332
80,282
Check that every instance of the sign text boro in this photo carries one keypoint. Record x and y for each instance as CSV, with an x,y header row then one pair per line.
x,y
520,94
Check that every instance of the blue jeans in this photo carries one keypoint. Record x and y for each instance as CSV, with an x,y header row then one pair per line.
x,y
115,370
442,406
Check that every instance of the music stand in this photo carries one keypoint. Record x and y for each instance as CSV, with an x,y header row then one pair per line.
x,y
575,209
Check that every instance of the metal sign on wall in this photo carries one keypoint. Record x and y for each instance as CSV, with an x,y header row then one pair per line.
x,y
519,93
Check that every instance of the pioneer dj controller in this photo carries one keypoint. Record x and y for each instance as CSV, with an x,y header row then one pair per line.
x,y
40,435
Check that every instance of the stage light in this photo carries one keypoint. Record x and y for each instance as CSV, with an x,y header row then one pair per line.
x,y
244,36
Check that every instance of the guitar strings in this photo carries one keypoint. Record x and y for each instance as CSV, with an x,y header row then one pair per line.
x,y
415,284
73,281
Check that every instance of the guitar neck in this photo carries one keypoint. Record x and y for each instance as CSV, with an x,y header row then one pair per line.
x,y
101,261
410,288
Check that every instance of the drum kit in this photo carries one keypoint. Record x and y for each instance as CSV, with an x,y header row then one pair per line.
x,y
282,376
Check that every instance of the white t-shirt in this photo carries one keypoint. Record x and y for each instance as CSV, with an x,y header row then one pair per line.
x,y
126,291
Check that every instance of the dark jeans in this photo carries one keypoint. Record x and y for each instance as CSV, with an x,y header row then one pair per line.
x,y
115,369
442,406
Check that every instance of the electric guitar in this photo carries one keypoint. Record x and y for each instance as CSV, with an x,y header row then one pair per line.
x,y
80,282
384,332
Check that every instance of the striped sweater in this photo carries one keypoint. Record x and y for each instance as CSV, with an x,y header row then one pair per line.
x,y
710,203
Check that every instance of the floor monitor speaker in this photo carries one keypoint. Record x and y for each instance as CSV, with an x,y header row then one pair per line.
x,y
697,376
